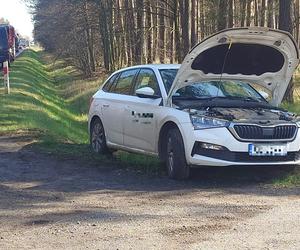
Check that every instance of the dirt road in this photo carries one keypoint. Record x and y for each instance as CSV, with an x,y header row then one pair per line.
x,y
46,203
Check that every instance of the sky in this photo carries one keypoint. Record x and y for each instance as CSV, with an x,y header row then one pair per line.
x,y
18,15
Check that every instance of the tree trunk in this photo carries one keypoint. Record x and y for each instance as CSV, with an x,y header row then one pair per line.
x,y
120,35
132,32
285,23
155,24
270,14
90,46
178,53
149,31
161,32
230,13
184,11
193,23
256,12
202,26
263,13
243,12
139,30
296,10
171,31
248,15
127,34
285,19
222,13
104,35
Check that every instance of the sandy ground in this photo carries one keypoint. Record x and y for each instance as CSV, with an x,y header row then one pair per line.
x,y
46,203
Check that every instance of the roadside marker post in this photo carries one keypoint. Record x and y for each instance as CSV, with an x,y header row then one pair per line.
x,y
6,77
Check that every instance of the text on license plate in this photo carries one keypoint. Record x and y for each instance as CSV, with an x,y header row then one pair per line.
x,y
267,150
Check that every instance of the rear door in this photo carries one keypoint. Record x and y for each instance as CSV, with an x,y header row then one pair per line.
x,y
113,105
140,126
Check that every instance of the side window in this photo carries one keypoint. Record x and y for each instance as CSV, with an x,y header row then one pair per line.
x,y
109,83
147,78
125,81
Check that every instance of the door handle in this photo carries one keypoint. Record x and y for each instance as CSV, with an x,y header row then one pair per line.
x,y
105,105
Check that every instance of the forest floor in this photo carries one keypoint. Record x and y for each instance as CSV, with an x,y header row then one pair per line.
x,y
55,194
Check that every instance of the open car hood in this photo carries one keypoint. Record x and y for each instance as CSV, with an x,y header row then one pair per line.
x,y
255,55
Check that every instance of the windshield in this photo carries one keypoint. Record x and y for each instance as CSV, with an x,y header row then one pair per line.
x,y
219,89
168,77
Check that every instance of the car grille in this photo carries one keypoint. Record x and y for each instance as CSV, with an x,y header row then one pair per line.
x,y
254,132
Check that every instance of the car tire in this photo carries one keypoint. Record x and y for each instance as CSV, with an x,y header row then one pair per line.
x,y
177,166
97,138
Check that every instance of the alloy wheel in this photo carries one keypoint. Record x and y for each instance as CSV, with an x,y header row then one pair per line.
x,y
98,138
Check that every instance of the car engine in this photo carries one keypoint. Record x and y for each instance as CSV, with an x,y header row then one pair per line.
x,y
253,115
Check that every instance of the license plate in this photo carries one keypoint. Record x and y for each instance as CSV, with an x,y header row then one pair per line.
x,y
267,150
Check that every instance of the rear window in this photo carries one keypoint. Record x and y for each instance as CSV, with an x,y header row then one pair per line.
x,y
109,83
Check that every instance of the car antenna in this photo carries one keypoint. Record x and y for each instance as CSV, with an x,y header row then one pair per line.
x,y
224,64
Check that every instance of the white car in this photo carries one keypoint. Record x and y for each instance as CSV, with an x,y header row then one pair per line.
x,y
209,111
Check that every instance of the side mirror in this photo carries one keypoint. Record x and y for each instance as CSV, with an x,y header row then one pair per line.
x,y
146,92
264,94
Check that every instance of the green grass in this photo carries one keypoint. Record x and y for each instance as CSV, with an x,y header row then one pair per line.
x,y
50,100
34,103
289,180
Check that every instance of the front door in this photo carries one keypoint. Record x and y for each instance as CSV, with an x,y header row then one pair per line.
x,y
140,116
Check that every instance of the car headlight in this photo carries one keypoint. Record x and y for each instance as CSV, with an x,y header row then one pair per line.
x,y
298,124
202,122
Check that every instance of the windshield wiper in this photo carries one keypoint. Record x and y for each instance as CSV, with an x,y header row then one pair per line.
x,y
246,99
211,98
190,97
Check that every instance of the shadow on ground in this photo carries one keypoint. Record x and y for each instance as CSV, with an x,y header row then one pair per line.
x,y
80,174
40,183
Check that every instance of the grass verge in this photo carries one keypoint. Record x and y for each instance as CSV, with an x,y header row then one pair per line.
x,y
288,181
50,100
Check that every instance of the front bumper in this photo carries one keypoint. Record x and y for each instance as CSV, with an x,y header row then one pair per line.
x,y
237,153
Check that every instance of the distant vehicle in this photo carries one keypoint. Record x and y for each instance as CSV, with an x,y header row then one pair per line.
x,y
23,43
3,45
207,111
7,43
17,43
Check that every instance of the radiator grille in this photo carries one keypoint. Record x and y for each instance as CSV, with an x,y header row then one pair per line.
x,y
253,132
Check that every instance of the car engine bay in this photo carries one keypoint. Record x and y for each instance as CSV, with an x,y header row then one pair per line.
x,y
247,115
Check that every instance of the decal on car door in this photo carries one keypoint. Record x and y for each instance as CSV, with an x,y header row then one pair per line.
x,y
142,116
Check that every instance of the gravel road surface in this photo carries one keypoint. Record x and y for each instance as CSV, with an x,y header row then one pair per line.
x,y
49,203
